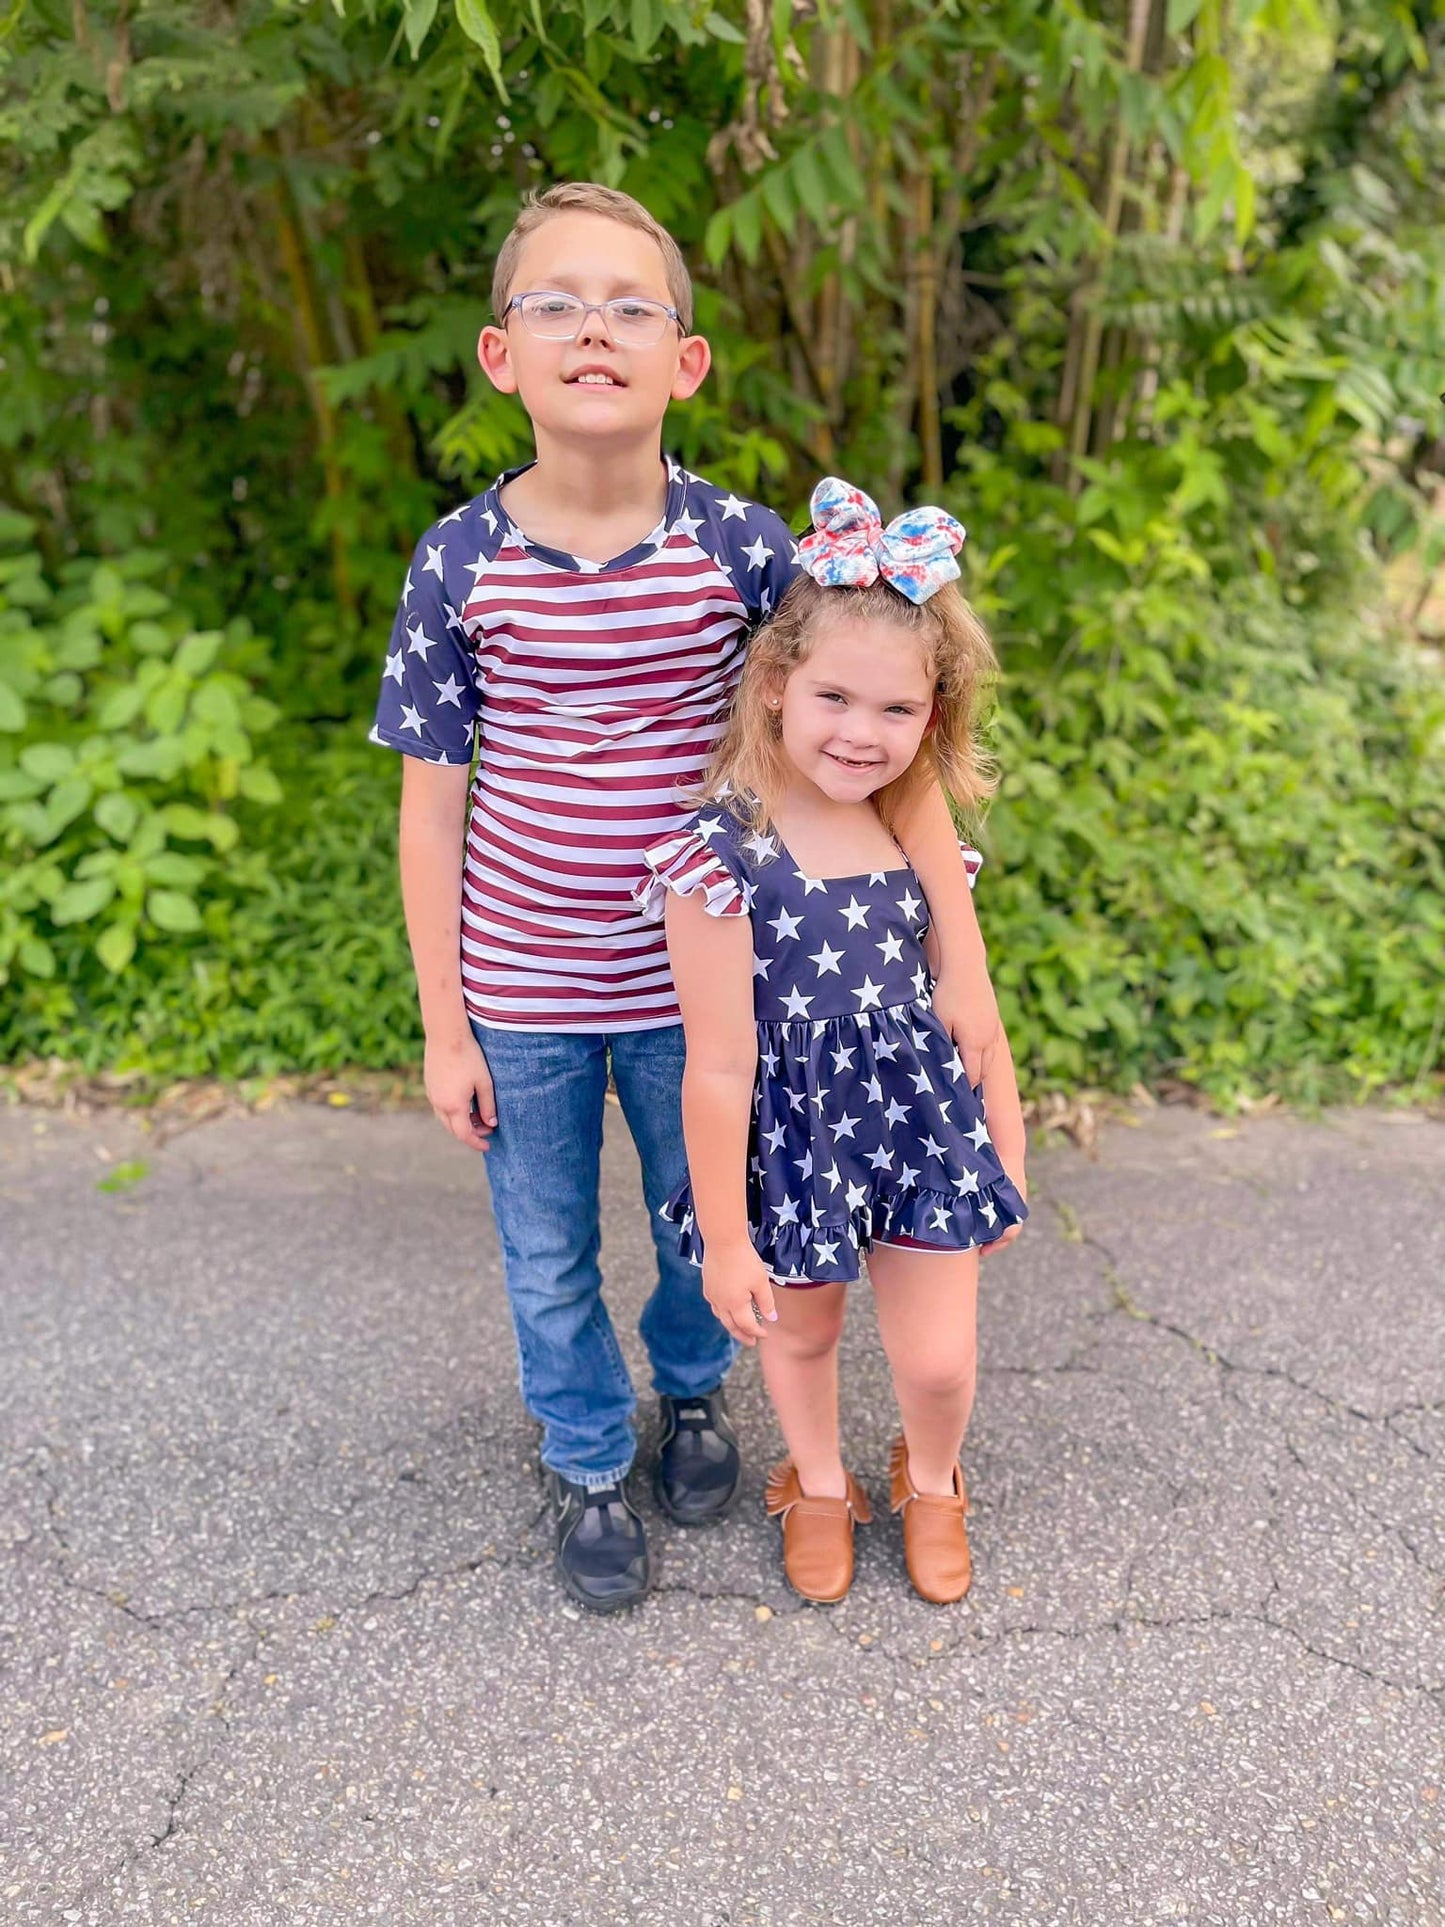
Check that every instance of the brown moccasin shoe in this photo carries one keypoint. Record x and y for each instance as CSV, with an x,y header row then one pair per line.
x,y
935,1537
817,1534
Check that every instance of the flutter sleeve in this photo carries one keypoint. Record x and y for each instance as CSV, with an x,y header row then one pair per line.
x,y
686,863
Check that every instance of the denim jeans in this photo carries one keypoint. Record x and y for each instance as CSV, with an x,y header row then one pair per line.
x,y
543,1168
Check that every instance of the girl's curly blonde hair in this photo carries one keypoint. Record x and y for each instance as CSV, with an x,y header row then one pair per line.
x,y
749,765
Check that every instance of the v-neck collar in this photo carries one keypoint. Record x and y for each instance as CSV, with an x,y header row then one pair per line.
x,y
642,551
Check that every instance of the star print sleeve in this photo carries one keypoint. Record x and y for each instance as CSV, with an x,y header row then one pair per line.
x,y
765,587
429,701
684,864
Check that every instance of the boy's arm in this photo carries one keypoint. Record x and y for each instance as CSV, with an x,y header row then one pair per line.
x,y
963,996
433,826
712,965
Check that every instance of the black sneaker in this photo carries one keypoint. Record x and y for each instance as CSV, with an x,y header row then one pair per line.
x,y
601,1545
698,1466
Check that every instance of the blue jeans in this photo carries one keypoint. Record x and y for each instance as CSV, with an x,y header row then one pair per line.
x,y
543,1169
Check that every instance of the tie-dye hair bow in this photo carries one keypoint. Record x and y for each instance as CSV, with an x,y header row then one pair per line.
x,y
850,548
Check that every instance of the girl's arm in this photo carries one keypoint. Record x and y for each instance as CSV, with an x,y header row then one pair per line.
x,y
433,829
963,995
712,963
1006,1125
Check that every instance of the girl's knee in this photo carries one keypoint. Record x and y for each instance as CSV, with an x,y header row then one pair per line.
x,y
806,1329
938,1377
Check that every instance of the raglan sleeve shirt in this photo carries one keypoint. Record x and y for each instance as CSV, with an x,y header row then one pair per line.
x,y
430,699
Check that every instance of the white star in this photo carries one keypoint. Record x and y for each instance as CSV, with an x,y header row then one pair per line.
x,y
825,1250
708,827
750,891
731,506
479,569
940,1218
833,1175
868,994
420,641
758,554
932,1146
892,948
907,1177
921,1039
843,1058
393,666
827,960
787,1212
967,1185
857,1196
455,516
433,563
761,967
774,1138
979,1136
765,600
407,588
796,1004
797,1099
880,1159
885,1049
687,524
920,1082
785,925
770,1061
820,1098
987,1213
910,904
920,981
844,1126
856,913
954,1066
896,1113
760,845
450,691
410,718
805,1164
725,567
490,520
454,621
810,884
945,1105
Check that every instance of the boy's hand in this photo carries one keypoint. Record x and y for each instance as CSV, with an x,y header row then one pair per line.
x,y
987,1251
734,1283
971,1019
459,1089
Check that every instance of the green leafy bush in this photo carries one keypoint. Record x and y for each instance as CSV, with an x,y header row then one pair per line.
x,y
127,740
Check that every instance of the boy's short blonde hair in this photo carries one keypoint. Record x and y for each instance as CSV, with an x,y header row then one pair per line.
x,y
588,197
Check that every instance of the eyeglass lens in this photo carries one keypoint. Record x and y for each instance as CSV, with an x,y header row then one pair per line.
x,y
559,317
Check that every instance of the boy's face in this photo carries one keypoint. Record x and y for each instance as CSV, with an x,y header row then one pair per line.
x,y
592,388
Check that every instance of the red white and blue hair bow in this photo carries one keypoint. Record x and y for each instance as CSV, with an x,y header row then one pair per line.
x,y
850,548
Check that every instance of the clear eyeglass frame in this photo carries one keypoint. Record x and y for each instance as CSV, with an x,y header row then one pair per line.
x,y
630,319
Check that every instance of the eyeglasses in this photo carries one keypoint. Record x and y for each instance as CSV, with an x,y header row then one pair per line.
x,y
559,317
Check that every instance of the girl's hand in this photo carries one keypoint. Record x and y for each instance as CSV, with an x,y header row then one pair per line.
x,y
970,1016
739,1289
459,1090
1021,1186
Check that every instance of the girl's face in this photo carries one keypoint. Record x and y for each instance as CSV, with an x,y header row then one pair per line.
x,y
854,712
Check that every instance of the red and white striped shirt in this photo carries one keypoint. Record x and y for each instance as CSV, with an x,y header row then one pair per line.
x,y
593,693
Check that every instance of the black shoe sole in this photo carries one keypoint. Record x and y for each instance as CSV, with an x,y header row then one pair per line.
x,y
591,1604
659,1492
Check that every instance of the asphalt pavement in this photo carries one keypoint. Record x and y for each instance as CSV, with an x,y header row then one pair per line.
x,y
282,1646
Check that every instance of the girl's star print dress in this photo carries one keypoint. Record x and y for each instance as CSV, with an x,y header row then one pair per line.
x,y
865,1129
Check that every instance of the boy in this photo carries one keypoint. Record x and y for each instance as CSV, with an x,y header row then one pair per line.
x,y
585,618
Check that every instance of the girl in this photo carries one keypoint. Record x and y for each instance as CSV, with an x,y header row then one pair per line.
x,y
825,1109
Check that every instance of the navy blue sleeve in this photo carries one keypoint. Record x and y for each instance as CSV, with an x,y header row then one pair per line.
x,y
429,695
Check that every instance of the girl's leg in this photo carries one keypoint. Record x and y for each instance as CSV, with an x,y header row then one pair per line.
x,y
927,1309
800,1369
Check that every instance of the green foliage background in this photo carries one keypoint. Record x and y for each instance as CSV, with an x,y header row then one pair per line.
x,y
1151,294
